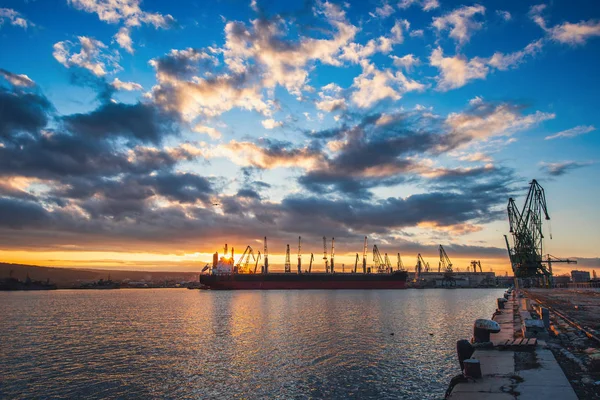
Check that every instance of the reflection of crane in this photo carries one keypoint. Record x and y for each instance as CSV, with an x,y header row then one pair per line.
x,y
356,263
257,260
332,254
388,264
312,258
242,265
266,270
526,228
288,266
365,257
400,264
299,255
378,261
325,254
445,263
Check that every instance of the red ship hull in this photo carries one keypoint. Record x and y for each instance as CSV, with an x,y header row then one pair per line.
x,y
395,280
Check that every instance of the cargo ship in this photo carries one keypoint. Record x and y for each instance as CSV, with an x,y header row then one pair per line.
x,y
224,275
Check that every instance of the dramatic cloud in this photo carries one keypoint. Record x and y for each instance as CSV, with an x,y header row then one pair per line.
x,y
567,32
426,5
22,112
506,61
126,11
128,86
456,71
569,133
14,18
374,85
561,168
461,22
17,79
91,57
484,120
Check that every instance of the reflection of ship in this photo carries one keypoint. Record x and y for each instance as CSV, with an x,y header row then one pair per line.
x,y
11,283
224,275
102,284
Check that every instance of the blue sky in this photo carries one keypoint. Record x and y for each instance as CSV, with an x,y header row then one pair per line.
x,y
163,129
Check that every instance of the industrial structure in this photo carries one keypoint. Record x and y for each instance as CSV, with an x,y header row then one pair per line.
x,y
526,254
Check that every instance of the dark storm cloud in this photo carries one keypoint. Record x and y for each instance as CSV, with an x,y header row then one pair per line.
x,y
139,122
22,112
19,214
183,187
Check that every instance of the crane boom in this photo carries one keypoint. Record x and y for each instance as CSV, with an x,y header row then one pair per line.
x,y
257,260
325,254
378,261
288,267
356,263
312,258
364,260
445,262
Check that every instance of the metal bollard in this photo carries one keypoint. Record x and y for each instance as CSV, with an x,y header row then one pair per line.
x,y
464,350
546,317
472,368
501,303
482,329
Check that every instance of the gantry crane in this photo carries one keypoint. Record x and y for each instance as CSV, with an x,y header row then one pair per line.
x,y
288,266
378,261
299,255
364,261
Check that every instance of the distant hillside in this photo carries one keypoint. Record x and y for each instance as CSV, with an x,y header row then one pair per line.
x,y
68,277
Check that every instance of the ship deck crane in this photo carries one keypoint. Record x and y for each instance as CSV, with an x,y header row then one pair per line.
x,y
400,263
356,263
364,260
388,264
378,261
288,267
266,256
312,258
445,263
299,255
332,254
242,265
421,266
325,254
257,260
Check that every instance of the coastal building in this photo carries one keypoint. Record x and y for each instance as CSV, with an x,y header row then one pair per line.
x,y
580,276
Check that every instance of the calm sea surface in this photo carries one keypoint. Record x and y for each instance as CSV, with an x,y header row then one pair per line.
x,y
178,343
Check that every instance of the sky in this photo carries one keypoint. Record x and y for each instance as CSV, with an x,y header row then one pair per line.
x,y
147,134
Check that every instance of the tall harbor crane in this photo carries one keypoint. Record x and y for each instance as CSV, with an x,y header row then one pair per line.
x,y
312,258
365,257
332,254
257,260
325,254
242,266
288,267
421,266
400,264
378,261
445,263
356,263
388,263
299,255
476,264
266,270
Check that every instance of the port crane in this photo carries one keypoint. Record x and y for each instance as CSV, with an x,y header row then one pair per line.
x,y
421,266
446,265
257,260
364,260
400,264
299,255
332,254
266,256
476,264
288,267
312,258
325,254
378,261
526,229
388,263
356,263
242,266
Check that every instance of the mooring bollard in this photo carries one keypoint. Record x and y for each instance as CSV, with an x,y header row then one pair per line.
x,y
501,303
482,329
464,350
546,317
472,368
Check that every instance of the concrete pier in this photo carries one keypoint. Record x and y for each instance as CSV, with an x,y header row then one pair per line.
x,y
516,364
